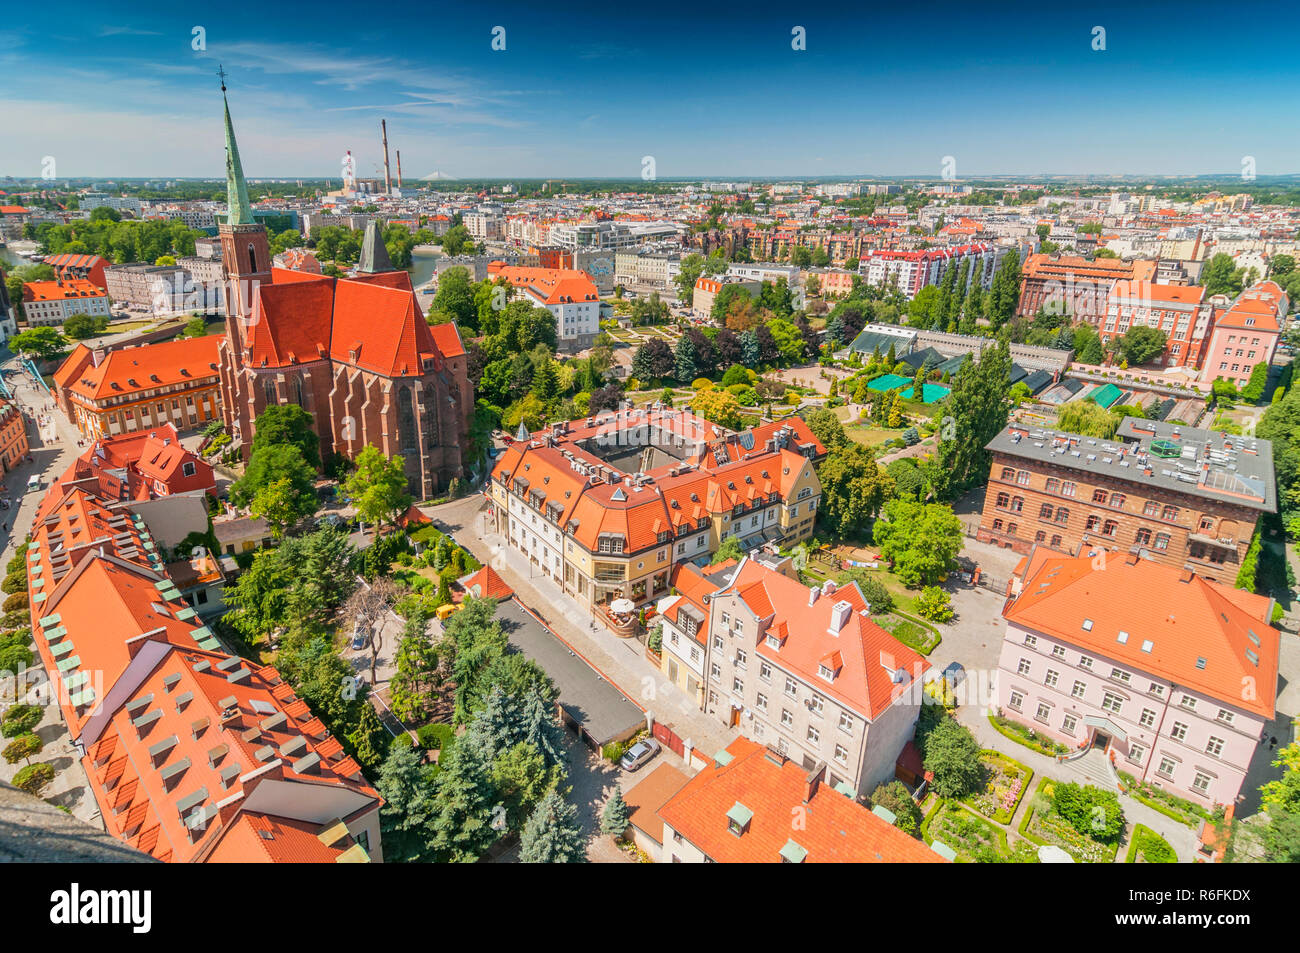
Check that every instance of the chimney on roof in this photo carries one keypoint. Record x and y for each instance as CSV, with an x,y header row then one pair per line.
x,y
812,780
840,613
813,594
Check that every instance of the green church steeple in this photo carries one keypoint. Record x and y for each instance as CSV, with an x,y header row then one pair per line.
x,y
238,209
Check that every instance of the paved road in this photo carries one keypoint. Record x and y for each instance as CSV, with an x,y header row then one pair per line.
x,y
623,661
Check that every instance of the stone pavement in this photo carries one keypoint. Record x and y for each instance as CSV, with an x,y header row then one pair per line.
x,y
622,661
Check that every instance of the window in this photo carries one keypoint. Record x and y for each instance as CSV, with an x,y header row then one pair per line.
x,y
765,671
1226,716
1169,513
1142,537
1099,496
1110,528
841,754
187,469
1093,524
1058,651
1017,504
1016,701
1084,660
715,672
1120,675
1188,702
846,722
1147,718
1157,689
1023,667
791,688
1201,783
1002,501
1044,712
1178,732
1151,508
1031,640
814,735
1040,537
1056,542
1068,489
1117,500
1166,768
787,719
1214,746
1112,702
1069,723
1008,474
741,658
1053,485
1135,753
737,686
717,642
1078,689
761,702
1023,478
1051,677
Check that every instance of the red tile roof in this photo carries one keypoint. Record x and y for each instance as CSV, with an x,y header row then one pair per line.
x,y
835,828
132,370
1184,617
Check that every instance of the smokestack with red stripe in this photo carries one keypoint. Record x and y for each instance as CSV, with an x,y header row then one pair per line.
x,y
388,178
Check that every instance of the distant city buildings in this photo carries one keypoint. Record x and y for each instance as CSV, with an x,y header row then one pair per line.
x,y
50,303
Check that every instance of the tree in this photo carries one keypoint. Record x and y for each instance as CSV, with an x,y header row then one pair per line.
x,y
1221,276
378,487
686,366
521,778
934,604
894,797
614,816
826,427
1141,343
406,819
34,778
418,672
951,752
1087,418
287,424
43,342
978,406
654,361
81,326
921,540
730,548
270,465
15,657
283,505
20,719
552,834
719,406
1006,289
1254,389
854,488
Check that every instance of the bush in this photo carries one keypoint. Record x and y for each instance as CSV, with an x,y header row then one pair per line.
x,y
953,755
934,604
1090,810
875,592
895,797
16,601
14,582
33,778
436,737
1153,848
613,751
701,383
15,619
19,562
20,719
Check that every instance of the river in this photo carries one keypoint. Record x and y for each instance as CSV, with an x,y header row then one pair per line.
x,y
422,259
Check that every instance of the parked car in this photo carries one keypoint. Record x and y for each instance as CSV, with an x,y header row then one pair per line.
x,y
639,754
330,519
359,639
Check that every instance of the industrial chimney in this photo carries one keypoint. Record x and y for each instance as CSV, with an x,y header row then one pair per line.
x,y
399,170
388,178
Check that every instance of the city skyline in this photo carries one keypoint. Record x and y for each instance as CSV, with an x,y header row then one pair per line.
x,y
581,93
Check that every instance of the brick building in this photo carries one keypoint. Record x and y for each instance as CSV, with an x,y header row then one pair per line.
x,y
1181,311
13,435
1077,285
355,353
1179,496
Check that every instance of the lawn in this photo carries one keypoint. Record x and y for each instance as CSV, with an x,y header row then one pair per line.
x,y
1005,784
870,436
908,631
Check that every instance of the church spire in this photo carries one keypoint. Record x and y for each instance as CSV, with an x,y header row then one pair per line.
x,y
374,253
238,209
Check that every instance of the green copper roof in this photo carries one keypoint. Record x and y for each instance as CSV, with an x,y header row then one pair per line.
x,y
238,209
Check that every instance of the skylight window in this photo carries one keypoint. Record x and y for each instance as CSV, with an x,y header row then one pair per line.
x,y
1200,662
1087,625
1122,638
1147,645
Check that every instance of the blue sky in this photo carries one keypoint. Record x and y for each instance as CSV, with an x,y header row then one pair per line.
x,y
589,89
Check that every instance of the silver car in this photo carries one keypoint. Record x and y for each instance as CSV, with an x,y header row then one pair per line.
x,y
639,754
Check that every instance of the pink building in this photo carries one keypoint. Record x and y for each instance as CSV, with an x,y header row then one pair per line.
x,y
1174,676
1246,334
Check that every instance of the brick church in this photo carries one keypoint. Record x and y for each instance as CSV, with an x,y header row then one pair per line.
x,y
354,352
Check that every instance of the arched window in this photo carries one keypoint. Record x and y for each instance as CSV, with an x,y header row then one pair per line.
x,y
1207,524
1045,511
1003,500
1008,474
268,388
406,421
1011,529
1039,536
1111,528
1099,496
1094,521
1062,515
1170,513
300,389
252,258
429,419
1053,485
997,526
1023,478
1017,504
1056,542
1068,489
1117,500
1142,537
1162,541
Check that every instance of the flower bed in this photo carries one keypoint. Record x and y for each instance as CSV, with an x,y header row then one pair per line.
x,y
1148,847
1026,736
975,840
1044,826
1006,782
1170,805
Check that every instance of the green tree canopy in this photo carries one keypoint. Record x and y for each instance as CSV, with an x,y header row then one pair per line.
x,y
921,540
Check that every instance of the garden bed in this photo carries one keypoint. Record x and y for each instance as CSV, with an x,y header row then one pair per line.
x,y
974,839
1148,847
913,633
1044,826
1024,735
1006,783
1170,805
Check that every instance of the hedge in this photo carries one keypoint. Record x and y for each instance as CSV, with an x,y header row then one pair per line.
x,y
1155,849
17,600
998,723
436,736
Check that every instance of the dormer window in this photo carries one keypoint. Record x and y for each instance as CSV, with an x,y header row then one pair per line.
x,y
826,672
738,819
